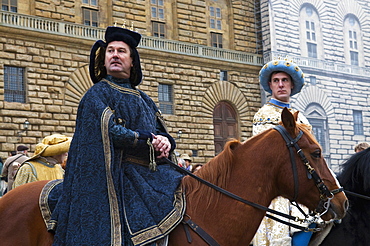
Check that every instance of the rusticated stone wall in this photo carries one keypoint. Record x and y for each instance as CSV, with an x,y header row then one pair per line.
x,y
56,69
57,76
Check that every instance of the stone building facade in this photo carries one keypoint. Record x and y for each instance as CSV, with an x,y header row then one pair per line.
x,y
203,52
330,40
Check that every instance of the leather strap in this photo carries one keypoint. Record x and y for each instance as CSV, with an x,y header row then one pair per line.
x,y
204,235
225,192
291,143
187,233
136,160
357,195
141,162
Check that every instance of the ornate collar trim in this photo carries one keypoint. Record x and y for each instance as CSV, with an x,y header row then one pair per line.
x,y
278,103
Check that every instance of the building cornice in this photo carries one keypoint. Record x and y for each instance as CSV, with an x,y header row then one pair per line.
x,y
317,66
88,33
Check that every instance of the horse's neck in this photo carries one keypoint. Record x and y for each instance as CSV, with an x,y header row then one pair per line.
x,y
219,214
228,221
359,204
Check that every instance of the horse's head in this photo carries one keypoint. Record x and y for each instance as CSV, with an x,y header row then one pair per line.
x,y
317,188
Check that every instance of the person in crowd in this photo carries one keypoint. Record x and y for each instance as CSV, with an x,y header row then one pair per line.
x,y
196,167
361,146
282,79
12,164
187,160
45,162
181,162
118,190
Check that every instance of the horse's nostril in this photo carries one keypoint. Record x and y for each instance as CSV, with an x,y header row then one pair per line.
x,y
346,204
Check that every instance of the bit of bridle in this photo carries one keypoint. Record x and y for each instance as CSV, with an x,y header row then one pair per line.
x,y
325,194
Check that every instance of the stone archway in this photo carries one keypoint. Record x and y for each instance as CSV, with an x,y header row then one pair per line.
x,y
224,91
78,84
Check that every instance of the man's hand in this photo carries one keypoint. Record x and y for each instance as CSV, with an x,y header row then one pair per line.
x,y
162,145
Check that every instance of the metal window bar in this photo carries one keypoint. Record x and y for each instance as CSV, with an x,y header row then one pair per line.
x,y
358,122
165,98
14,86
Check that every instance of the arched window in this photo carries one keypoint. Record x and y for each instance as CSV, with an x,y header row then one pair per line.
x,y
352,41
310,31
225,125
317,117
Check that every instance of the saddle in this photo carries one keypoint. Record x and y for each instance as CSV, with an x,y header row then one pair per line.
x,y
48,199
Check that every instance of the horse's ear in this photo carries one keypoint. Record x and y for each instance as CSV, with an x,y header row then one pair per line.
x,y
289,120
295,115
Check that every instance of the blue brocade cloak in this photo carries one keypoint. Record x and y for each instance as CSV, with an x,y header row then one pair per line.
x,y
105,199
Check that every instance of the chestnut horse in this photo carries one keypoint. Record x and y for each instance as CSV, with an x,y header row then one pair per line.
x,y
258,171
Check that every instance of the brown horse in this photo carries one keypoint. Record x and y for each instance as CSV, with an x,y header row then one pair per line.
x,y
258,171
20,216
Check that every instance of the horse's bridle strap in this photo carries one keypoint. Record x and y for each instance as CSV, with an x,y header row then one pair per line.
x,y
238,198
357,195
290,144
204,235
225,192
323,189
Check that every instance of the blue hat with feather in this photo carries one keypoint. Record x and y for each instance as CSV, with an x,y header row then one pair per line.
x,y
286,66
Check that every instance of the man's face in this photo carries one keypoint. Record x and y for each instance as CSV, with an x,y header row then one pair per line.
x,y
61,157
281,86
187,163
118,61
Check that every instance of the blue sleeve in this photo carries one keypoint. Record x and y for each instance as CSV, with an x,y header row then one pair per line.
x,y
125,138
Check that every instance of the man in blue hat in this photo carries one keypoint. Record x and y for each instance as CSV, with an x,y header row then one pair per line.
x,y
117,190
282,79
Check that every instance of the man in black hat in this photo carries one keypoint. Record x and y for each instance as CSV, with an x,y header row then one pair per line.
x,y
12,164
116,191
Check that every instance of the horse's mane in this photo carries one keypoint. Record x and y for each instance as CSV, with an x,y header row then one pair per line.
x,y
216,171
355,172
307,130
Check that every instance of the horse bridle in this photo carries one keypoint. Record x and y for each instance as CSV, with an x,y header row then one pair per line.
x,y
325,194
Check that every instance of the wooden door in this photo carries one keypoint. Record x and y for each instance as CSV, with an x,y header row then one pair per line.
x,y
225,125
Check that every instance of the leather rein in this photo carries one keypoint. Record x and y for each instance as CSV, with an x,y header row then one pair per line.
x,y
325,194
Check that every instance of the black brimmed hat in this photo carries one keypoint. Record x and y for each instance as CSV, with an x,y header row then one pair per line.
x,y
22,148
114,33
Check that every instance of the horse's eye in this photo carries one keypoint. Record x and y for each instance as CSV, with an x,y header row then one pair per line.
x,y
316,154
